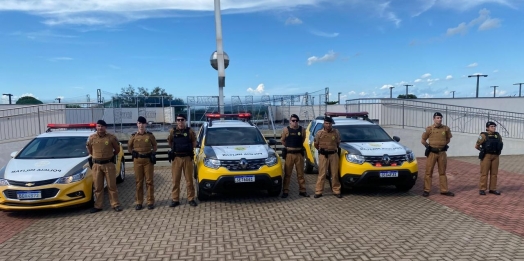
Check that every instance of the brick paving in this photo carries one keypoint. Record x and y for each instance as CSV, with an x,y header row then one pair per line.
x,y
376,224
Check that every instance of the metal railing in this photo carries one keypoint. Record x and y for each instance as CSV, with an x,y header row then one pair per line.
x,y
419,114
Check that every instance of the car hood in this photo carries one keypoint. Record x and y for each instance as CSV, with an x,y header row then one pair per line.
x,y
237,152
374,148
31,170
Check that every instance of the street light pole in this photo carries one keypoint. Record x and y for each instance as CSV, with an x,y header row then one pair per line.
x,y
220,58
494,90
8,94
478,76
519,84
339,97
407,85
391,91
453,94
58,99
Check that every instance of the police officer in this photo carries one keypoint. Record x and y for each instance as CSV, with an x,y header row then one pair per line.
x,y
142,145
292,139
490,145
327,141
182,141
103,147
439,136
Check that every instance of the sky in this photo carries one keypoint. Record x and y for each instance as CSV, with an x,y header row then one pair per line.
x,y
360,48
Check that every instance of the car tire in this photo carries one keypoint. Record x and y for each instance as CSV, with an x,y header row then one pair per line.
x,y
122,175
405,187
201,195
308,167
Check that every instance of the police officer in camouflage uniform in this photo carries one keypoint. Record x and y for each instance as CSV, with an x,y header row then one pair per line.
x,y
490,145
292,139
142,145
439,136
103,147
327,142
182,141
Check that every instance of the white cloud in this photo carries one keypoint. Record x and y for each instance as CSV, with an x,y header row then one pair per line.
x,y
401,83
258,90
386,86
384,11
449,77
418,80
496,71
324,34
362,94
425,95
293,21
329,57
484,21
472,65
352,93
426,75
55,59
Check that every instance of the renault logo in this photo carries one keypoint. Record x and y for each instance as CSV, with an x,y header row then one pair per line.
x,y
243,163
29,184
386,159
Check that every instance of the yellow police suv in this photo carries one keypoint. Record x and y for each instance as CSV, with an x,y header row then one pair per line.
x,y
52,171
368,155
234,155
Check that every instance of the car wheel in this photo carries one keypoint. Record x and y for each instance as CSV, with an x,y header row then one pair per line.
x,y
405,187
308,167
122,175
202,196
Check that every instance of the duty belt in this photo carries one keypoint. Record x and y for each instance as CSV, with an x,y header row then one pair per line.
x,y
182,154
101,161
294,151
327,152
436,150
144,155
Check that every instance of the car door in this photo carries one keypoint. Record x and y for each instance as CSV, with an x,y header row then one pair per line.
x,y
317,127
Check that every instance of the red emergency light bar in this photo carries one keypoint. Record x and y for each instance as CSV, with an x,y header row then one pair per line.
x,y
347,114
70,126
218,116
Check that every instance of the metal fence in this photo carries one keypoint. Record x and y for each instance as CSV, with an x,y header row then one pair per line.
x,y
419,114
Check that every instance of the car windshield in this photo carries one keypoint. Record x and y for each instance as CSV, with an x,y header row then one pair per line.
x,y
362,133
233,136
54,148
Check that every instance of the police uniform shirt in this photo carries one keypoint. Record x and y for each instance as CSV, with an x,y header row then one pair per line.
x,y
102,146
327,140
171,137
285,134
142,143
482,138
437,135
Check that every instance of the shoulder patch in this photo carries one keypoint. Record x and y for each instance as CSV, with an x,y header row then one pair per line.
x,y
480,137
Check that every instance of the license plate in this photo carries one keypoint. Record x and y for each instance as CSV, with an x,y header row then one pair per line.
x,y
29,194
242,179
389,174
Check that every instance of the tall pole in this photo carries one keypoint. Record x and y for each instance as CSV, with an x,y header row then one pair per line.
x,y
8,94
494,90
220,58
519,84
478,76
339,97
391,91
407,85
453,94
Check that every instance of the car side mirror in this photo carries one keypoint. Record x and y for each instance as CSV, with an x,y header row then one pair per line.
x,y
13,154
272,142
397,139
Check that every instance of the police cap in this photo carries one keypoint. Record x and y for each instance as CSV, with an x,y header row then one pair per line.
x,y
141,119
295,116
437,114
182,116
490,123
101,122
329,119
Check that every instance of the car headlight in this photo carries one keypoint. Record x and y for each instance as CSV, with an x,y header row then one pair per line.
x,y
73,178
272,160
4,182
358,159
212,163
410,156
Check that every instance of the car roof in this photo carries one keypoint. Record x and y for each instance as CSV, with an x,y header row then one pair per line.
x,y
67,133
230,123
347,121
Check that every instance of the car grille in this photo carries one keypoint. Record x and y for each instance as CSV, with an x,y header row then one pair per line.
x,y
398,159
234,165
46,193
33,184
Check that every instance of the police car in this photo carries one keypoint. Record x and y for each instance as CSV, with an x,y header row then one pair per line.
x,y
232,155
52,170
368,155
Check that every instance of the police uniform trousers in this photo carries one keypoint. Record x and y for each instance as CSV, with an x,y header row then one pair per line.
x,y
440,159
490,164
144,169
179,165
294,160
325,164
108,172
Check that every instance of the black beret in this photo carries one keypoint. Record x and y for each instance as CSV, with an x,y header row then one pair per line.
x,y
182,116
101,122
490,123
295,116
437,114
141,119
328,119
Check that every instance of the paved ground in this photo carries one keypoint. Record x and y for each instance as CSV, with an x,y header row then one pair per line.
x,y
377,224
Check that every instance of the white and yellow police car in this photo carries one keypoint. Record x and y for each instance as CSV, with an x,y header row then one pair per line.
x,y
234,155
52,171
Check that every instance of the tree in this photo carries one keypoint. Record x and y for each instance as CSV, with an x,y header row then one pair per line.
x,y
331,102
410,96
28,100
142,97
73,106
